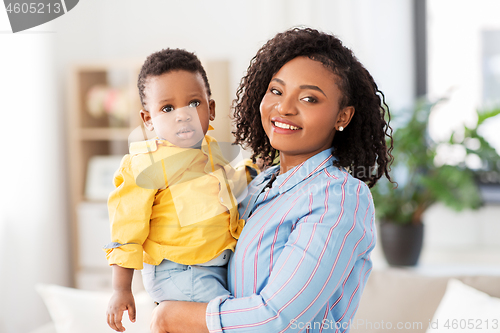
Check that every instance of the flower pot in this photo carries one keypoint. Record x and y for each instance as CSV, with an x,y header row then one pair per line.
x,y
401,244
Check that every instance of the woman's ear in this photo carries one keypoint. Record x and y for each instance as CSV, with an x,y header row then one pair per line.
x,y
146,118
344,118
211,109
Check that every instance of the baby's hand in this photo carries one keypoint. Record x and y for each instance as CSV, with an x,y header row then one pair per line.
x,y
120,302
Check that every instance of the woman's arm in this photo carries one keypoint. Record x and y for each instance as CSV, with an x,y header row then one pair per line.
x,y
181,317
320,272
322,268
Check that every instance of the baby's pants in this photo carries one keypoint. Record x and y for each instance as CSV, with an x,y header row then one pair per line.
x,y
170,281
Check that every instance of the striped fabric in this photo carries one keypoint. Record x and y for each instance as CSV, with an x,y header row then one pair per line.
x,y
303,257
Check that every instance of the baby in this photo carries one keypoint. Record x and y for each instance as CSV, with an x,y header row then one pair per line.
x,y
174,206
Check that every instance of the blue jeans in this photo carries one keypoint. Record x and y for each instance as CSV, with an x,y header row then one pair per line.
x,y
170,281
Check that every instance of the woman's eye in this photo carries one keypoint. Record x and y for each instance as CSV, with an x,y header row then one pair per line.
x,y
167,108
310,99
275,91
194,104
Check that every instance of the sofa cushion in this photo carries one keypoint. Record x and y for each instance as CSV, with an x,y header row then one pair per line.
x,y
465,309
82,311
397,297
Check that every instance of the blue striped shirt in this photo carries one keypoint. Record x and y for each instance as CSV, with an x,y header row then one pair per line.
x,y
303,257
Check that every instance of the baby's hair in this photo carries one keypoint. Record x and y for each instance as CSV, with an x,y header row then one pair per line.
x,y
168,60
361,147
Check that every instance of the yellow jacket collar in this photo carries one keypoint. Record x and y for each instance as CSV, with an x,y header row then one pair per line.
x,y
144,147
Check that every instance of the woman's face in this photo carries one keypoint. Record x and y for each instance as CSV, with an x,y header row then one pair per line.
x,y
300,110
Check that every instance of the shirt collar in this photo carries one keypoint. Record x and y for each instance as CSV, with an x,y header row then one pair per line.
x,y
157,146
302,171
207,140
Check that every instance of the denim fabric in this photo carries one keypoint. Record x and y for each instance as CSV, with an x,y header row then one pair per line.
x,y
170,281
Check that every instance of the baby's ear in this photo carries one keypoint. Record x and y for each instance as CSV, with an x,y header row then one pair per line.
x,y
211,109
146,118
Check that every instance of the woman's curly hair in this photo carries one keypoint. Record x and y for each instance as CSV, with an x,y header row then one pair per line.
x,y
361,148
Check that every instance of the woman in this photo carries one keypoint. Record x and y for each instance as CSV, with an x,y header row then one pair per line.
x,y
303,257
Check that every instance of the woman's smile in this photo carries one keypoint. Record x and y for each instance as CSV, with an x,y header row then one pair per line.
x,y
284,126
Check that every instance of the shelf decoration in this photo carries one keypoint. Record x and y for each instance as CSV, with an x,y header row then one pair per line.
x,y
100,173
104,100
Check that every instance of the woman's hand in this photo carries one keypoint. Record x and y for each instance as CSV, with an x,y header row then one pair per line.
x,y
177,316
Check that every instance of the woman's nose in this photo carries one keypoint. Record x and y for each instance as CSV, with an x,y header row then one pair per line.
x,y
286,106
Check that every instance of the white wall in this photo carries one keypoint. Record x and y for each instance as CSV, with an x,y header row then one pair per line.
x,y
380,33
33,229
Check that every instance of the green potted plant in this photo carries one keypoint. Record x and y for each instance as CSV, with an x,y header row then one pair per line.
x,y
423,181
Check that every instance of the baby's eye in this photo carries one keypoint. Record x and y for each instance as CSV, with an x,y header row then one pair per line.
x,y
167,108
194,104
310,99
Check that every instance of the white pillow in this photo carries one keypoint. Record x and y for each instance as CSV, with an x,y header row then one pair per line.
x,y
82,311
465,309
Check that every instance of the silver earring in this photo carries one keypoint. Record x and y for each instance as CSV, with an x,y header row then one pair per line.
x,y
341,128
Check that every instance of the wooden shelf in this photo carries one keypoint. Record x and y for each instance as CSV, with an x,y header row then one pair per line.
x,y
92,136
100,134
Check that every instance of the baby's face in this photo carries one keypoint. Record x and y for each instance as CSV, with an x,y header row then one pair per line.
x,y
178,107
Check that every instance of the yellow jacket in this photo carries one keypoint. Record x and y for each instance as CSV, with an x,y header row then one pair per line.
x,y
174,203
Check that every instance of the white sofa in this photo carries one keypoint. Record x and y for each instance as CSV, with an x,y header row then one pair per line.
x,y
404,296
391,297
